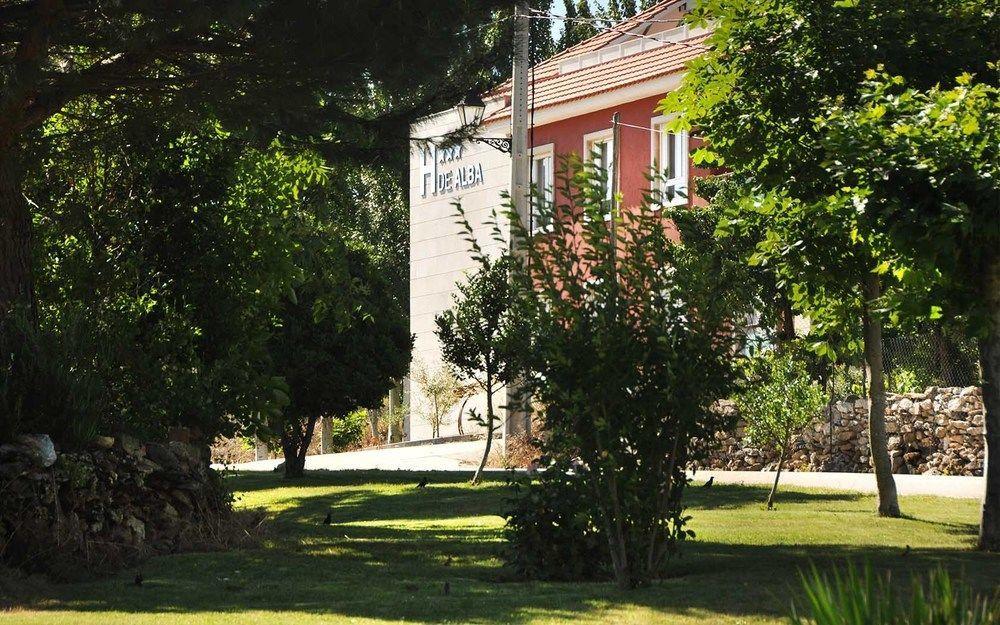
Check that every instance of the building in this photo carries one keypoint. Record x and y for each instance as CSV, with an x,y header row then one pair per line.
x,y
572,97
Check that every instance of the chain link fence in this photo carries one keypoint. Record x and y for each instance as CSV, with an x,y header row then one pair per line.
x,y
933,355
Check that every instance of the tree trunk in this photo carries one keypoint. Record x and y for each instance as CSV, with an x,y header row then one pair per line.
x,y
786,319
774,487
17,285
461,409
490,427
888,502
295,448
989,356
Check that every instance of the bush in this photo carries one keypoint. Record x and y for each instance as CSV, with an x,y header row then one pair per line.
x,y
347,433
629,350
860,597
47,385
778,400
553,531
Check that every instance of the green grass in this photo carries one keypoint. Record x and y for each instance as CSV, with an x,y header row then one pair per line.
x,y
383,560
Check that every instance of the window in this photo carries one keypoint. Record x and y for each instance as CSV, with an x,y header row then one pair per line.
x,y
670,164
542,189
599,149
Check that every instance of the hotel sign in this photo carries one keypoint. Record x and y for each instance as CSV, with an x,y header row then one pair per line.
x,y
442,172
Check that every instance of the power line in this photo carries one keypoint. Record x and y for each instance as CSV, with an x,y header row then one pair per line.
x,y
599,23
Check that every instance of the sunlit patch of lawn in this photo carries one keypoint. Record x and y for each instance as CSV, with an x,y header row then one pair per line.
x,y
391,548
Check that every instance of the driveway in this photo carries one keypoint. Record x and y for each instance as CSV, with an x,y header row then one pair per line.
x,y
465,456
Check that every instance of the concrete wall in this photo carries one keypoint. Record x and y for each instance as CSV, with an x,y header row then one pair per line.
x,y
439,255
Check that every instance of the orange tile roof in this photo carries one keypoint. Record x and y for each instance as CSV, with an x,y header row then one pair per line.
x,y
552,87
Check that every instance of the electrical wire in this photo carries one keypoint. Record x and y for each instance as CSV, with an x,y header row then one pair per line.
x,y
600,24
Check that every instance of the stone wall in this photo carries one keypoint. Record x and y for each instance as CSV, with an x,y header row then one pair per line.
x,y
106,506
939,431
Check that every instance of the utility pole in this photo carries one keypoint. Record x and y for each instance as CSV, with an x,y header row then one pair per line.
x,y
520,183
518,420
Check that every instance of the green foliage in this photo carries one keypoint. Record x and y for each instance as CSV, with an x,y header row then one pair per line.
x,y
778,399
441,391
862,597
770,70
48,384
626,355
334,363
552,529
903,380
483,338
574,32
924,165
348,432
168,246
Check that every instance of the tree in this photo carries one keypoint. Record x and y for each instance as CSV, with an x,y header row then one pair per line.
x,y
777,401
297,68
769,68
923,166
442,391
332,364
163,250
579,24
625,363
482,337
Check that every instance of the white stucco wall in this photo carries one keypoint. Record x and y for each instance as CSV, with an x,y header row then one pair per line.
x,y
439,255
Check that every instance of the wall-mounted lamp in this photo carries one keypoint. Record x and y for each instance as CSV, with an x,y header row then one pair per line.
x,y
470,113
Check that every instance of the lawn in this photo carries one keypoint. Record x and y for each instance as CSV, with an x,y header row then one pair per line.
x,y
385,559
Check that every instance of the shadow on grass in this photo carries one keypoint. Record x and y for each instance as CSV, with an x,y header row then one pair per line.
x,y
388,553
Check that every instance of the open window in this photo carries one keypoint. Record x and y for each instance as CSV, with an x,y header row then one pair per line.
x,y
670,164
599,149
543,186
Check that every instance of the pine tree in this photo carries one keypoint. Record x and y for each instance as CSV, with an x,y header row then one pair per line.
x,y
295,68
575,31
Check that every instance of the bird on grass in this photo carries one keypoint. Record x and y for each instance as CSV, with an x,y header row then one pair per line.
x,y
709,483
907,551
329,518
138,578
422,483
411,587
447,588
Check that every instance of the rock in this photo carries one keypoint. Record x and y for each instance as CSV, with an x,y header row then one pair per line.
x,y
39,448
161,455
137,527
130,445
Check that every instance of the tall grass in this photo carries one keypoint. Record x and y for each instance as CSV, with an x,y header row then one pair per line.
x,y
861,597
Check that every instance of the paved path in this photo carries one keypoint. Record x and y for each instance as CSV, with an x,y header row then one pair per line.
x,y
942,485
464,456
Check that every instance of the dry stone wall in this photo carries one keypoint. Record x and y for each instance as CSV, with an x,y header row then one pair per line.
x,y
939,431
73,514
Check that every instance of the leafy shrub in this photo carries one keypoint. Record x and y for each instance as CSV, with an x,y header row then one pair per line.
x,y
348,432
902,380
47,384
860,597
553,531
629,350
778,400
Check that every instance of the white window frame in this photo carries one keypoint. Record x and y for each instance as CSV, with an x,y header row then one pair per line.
x,y
680,180
601,136
548,186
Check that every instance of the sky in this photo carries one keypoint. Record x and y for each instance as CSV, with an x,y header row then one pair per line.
x,y
559,9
